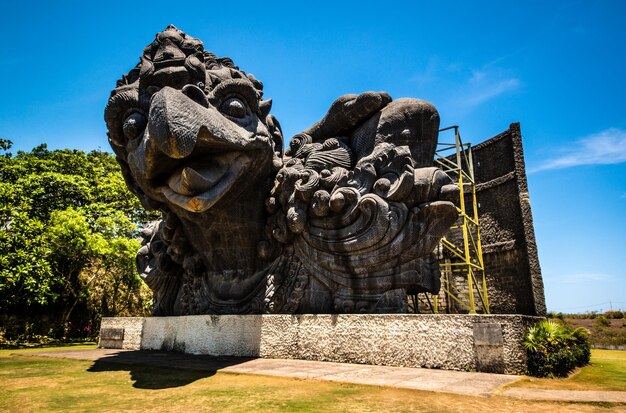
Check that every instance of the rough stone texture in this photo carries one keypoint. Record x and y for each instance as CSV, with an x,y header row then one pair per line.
x,y
408,340
432,341
509,249
344,221
132,329
225,335
111,337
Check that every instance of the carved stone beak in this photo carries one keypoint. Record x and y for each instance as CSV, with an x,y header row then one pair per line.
x,y
181,126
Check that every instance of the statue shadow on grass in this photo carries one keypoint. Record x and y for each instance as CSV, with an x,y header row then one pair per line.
x,y
161,370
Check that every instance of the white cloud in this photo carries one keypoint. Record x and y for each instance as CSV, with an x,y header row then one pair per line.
x,y
583,277
485,85
603,148
466,87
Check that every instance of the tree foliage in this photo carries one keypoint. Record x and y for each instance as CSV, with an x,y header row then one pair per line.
x,y
68,240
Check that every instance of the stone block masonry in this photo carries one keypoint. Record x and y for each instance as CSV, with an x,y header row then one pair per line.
x,y
511,264
510,256
121,332
490,343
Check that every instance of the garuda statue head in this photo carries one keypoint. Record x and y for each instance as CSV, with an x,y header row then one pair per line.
x,y
345,221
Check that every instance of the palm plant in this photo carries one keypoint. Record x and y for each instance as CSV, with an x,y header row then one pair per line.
x,y
553,349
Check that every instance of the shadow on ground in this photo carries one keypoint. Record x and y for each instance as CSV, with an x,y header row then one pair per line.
x,y
162,370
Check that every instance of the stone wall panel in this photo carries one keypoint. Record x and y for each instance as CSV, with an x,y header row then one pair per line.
x,y
444,341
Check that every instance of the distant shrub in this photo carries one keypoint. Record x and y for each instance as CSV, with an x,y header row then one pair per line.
x,y
559,316
602,321
554,350
615,315
579,316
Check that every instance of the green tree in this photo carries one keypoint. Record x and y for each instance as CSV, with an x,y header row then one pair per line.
x,y
68,239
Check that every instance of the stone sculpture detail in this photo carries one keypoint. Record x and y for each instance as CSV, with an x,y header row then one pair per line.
x,y
344,221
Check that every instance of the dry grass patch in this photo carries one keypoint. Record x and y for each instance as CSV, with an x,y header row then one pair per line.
x,y
33,384
604,332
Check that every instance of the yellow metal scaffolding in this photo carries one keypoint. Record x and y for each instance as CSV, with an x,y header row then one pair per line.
x,y
460,252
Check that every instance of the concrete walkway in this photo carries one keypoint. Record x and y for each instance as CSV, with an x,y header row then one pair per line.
x,y
465,383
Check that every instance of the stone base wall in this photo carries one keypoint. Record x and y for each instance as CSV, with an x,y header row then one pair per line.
x,y
121,332
489,343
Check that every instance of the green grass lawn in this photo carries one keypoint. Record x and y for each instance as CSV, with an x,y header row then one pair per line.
x,y
49,347
33,384
607,371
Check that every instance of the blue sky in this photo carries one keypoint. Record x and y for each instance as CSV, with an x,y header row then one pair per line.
x,y
558,68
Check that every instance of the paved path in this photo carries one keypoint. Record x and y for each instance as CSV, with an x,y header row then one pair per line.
x,y
465,383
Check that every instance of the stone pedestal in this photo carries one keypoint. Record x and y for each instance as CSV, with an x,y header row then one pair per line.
x,y
490,343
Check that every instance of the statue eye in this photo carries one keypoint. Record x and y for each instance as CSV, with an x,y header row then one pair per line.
x,y
134,124
234,107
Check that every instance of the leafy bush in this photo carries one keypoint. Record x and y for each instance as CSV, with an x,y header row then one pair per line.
x,y
554,350
616,315
602,321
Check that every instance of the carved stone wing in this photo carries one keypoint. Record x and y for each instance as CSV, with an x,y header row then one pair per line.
x,y
360,206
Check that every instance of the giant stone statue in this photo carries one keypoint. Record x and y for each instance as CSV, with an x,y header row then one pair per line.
x,y
344,221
